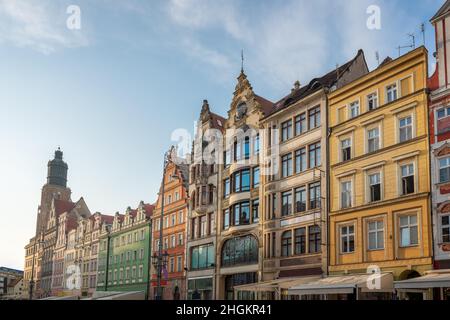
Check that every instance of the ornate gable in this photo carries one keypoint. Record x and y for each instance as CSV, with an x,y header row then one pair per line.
x,y
443,150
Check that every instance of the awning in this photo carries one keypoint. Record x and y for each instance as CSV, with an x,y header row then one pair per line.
x,y
431,279
346,284
275,285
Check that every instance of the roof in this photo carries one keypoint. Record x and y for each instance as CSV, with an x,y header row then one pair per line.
x,y
149,209
62,206
107,219
316,84
14,282
266,105
217,121
442,11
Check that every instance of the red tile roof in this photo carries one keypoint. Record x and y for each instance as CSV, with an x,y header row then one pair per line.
x,y
62,206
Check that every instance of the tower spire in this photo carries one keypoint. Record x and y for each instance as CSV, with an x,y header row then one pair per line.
x,y
242,60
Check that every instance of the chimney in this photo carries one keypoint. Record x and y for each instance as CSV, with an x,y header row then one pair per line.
x,y
296,86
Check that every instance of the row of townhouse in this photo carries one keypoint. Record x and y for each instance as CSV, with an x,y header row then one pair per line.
x,y
339,190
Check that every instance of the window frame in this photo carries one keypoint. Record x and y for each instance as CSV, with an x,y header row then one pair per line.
x,y
376,231
409,226
347,236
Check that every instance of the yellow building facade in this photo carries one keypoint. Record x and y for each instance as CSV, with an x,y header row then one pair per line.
x,y
380,172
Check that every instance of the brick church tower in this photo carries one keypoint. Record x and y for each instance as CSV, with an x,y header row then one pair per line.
x,y
56,187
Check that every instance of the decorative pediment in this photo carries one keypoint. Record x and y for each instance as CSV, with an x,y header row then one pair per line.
x,y
444,207
443,150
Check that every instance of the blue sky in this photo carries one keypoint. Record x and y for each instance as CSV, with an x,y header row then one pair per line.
x,y
111,93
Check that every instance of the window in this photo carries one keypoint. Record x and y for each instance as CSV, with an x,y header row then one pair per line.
x,y
346,194
408,231
226,188
373,139
180,217
286,244
445,228
141,254
405,127
391,93
247,148
255,210
286,163
241,213
314,155
442,113
407,172
203,226
372,101
354,109
173,241
286,130
314,195
141,271
300,240
300,124
241,181
179,263
286,199
300,199
172,265
300,160
256,144
376,235
180,239
202,257
347,239
226,219
346,149
375,187
226,158
255,178
240,250
314,118
314,239
173,219
444,170
274,205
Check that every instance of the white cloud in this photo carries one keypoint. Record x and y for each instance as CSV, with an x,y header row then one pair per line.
x,y
38,25
289,40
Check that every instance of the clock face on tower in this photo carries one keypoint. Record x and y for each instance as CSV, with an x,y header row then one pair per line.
x,y
241,110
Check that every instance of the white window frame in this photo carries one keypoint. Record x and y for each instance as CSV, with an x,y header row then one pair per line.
x,y
374,93
341,140
369,128
445,167
399,119
386,90
350,108
376,231
409,226
442,226
347,236
350,181
369,173
446,111
400,177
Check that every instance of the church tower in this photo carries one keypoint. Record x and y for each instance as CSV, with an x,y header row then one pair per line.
x,y
56,187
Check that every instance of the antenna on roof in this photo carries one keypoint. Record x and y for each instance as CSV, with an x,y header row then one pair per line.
x,y
422,29
413,37
377,56
411,46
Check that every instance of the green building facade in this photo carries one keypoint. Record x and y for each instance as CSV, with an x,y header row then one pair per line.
x,y
125,252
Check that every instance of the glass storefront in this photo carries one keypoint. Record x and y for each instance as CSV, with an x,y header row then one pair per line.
x,y
236,280
200,289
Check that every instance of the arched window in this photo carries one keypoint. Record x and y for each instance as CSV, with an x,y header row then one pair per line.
x,y
286,244
240,250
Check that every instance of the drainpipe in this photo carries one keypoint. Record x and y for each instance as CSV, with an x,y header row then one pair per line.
x,y
327,211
